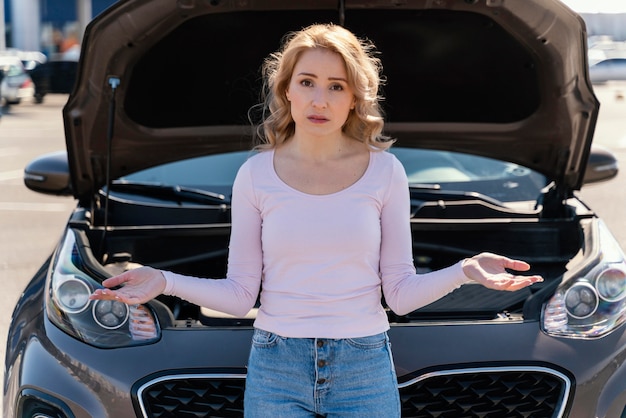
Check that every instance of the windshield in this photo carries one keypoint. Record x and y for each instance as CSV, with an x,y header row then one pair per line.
x,y
441,170
453,171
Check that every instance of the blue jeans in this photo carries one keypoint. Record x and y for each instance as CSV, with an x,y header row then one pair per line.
x,y
305,377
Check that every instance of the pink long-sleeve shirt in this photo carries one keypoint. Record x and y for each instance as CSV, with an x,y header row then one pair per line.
x,y
322,261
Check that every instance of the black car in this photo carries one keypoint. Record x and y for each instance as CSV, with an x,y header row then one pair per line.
x,y
494,114
57,76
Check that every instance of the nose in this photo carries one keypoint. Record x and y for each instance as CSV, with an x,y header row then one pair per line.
x,y
319,99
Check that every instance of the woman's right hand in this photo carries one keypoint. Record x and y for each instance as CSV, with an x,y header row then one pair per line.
x,y
136,286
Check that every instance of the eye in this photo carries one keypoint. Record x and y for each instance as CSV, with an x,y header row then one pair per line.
x,y
336,87
306,82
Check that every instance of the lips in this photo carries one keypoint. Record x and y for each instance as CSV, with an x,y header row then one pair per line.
x,y
317,119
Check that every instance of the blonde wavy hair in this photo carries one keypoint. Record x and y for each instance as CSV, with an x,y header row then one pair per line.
x,y
365,123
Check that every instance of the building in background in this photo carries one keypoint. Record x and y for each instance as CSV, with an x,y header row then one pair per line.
x,y
49,26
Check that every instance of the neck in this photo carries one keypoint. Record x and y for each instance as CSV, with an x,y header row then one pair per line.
x,y
319,148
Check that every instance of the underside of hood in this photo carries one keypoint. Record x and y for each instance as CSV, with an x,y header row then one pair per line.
x,y
162,80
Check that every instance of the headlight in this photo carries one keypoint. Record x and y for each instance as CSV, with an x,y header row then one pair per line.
x,y
611,284
591,302
105,324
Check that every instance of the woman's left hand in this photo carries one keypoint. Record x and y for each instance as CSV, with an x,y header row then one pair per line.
x,y
490,270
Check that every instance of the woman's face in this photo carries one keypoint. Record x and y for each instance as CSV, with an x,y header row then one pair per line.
x,y
320,96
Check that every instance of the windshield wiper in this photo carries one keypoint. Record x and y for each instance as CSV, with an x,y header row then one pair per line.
x,y
429,201
175,193
433,192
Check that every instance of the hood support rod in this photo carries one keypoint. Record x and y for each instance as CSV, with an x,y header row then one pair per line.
x,y
114,82
342,12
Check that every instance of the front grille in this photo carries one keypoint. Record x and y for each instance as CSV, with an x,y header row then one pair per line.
x,y
478,392
197,396
512,392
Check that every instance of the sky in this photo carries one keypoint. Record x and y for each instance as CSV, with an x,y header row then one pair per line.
x,y
597,6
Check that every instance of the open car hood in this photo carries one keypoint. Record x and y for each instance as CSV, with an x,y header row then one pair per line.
x,y
163,80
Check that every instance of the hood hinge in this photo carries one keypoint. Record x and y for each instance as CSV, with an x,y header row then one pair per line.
x,y
552,201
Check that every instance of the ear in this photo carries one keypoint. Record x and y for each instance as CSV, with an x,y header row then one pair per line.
x,y
287,95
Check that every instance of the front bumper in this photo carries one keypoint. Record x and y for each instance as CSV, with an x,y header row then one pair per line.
x,y
588,377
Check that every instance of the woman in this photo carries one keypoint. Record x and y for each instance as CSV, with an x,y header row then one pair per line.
x,y
320,221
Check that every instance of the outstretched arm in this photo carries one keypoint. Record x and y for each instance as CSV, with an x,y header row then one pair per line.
x,y
235,295
406,291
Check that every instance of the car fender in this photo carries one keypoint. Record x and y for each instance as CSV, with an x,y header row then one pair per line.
x,y
612,400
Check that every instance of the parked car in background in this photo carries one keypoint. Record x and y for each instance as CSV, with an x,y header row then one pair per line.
x,y
16,83
53,77
494,116
610,69
595,55
31,59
